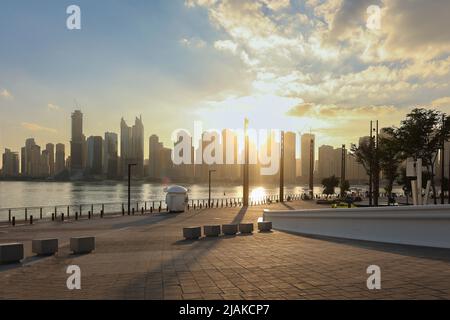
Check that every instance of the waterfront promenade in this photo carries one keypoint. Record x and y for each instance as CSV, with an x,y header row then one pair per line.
x,y
145,257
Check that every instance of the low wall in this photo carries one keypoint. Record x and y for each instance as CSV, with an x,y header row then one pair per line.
x,y
421,225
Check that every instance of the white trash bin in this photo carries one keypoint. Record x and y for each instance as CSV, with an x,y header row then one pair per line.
x,y
176,198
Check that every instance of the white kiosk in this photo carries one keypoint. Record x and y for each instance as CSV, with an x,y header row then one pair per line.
x,y
176,198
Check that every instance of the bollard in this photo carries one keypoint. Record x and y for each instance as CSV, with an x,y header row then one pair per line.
x,y
89,215
68,211
53,217
137,206
26,214
195,206
80,210
55,212
145,206
40,213
13,221
142,210
151,209
132,211
31,219
188,207
76,215
103,208
101,214
159,209
123,210
62,217
9,215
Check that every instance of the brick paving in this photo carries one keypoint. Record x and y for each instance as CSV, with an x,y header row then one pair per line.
x,y
145,257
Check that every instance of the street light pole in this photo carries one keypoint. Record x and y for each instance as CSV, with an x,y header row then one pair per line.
x,y
209,187
129,186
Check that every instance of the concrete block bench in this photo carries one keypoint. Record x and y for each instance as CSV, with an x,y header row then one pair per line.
x,y
211,231
45,247
11,253
229,229
82,245
265,226
192,233
246,228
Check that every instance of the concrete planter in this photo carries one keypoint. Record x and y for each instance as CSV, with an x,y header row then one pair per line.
x,y
11,253
192,233
265,226
45,247
82,245
246,228
211,231
229,229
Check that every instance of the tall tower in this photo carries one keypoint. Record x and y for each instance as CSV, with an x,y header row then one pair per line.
x,y
78,143
50,148
60,164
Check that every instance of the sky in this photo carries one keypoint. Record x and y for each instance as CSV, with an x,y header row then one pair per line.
x,y
301,65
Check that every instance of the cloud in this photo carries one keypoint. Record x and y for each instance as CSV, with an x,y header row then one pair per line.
x,y
193,43
226,45
37,128
334,111
52,107
4,93
441,102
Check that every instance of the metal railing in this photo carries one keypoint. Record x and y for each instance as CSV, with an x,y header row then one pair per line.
x,y
63,213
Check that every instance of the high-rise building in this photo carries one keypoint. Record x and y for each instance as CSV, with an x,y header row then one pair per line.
x,y
289,157
50,147
26,157
60,164
132,147
307,145
44,164
110,155
325,166
78,143
95,155
155,148
35,161
10,164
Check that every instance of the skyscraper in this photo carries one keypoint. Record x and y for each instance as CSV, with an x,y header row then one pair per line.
x,y
307,144
110,155
95,155
50,147
26,157
289,157
132,147
78,143
60,164
10,164
326,154
155,148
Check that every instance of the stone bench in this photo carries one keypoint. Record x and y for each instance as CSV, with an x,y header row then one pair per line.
x,y
80,245
11,253
45,247
246,228
211,231
192,233
265,226
229,229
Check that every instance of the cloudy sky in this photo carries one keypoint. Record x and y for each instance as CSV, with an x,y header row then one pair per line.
x,y
302,65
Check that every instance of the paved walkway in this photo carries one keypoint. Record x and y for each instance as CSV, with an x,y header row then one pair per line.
x,y
144,257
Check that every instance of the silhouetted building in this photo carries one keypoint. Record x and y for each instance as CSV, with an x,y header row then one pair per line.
x,y
78,143
155,148
306,141
289,157
50,147
110,155
95,155
132,147
10,163
60,164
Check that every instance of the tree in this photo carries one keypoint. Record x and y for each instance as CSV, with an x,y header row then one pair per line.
x,y
367,155
389,156
345,186
422,135
330,184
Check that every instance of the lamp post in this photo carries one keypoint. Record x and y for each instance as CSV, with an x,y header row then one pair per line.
x,y
282,167
129,185
246,169
209,187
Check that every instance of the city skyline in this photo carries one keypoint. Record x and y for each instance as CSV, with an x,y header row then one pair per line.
x,y
292,65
